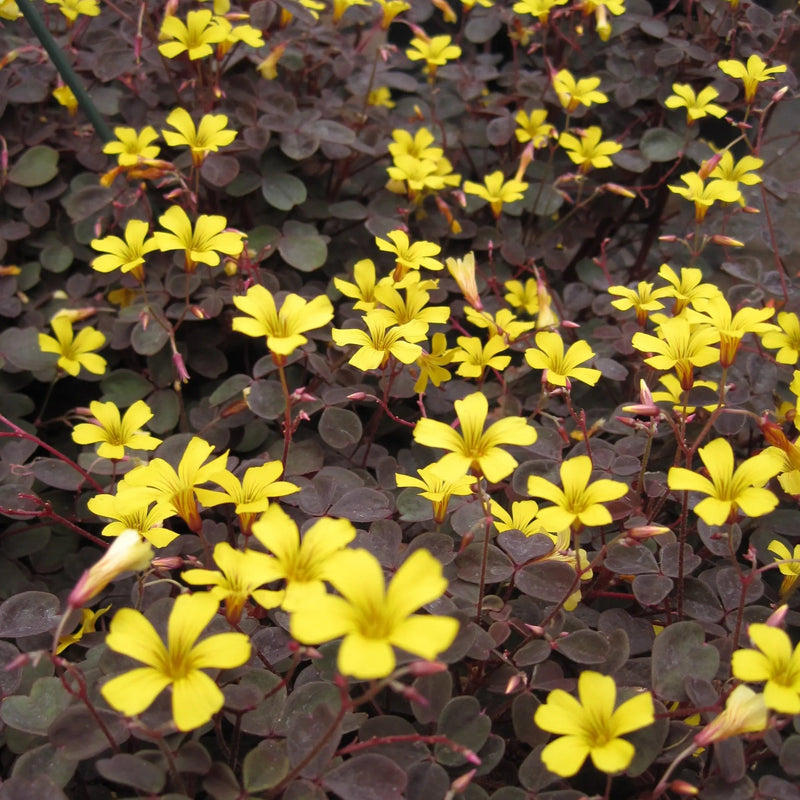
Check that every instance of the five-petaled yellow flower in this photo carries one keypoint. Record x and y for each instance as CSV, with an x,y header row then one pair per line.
x,y
201,243
373,618
790,568
476,449
193,37
587,150
382,340
534,127
703,194
74,351
284,327
774,661
751,74
745,712
592,726
131,146
643,299
559,366
581,500
238,578
496,190
730,491
125,254
679,346
207,137
438,487
72,9
537,8
697,105
572,93
179,665
435,51
303,563
409,256
475,356
115,432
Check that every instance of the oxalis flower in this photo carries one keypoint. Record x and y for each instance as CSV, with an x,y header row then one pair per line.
x,y
207,137
729,490
179,665
592,726
373,618
476,449
74,351
774,661
559,366
579,502
125,254
114,432
193,37
284,327
202,243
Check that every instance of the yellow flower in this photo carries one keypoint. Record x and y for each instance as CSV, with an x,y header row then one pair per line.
x,y
390,9
304,564
363,290
592,726
745,712
731,327
643,299
195,696
132,507
475,449
703,194
559,366
587,150
475,357
432,364
127,553
680,347
207,137
503,323
268,68
523,517
673,394
252,494
581,500
125,254
435,52
409,256
738,172
131,146
380,97
438,487
9,10
195,37
572,93
72,9
754,72
525,296
66,98
790,568
203,243
373,618
177,489
730,491
282,328
463,272
414,306
239,576
88,625
380,341
497,191
534,127
786,341
115,433
537,8
688,288
418,146
73,351
774,661
697,105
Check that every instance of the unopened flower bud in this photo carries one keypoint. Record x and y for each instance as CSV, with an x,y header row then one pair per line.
x,y
128,552
707,167
645,531
726,241
777,619
420,668
684,788
460,784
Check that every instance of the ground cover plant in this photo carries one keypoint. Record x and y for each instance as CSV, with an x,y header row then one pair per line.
x,y
399,400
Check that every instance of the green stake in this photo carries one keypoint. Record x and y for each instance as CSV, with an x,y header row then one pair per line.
x,y
65,70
